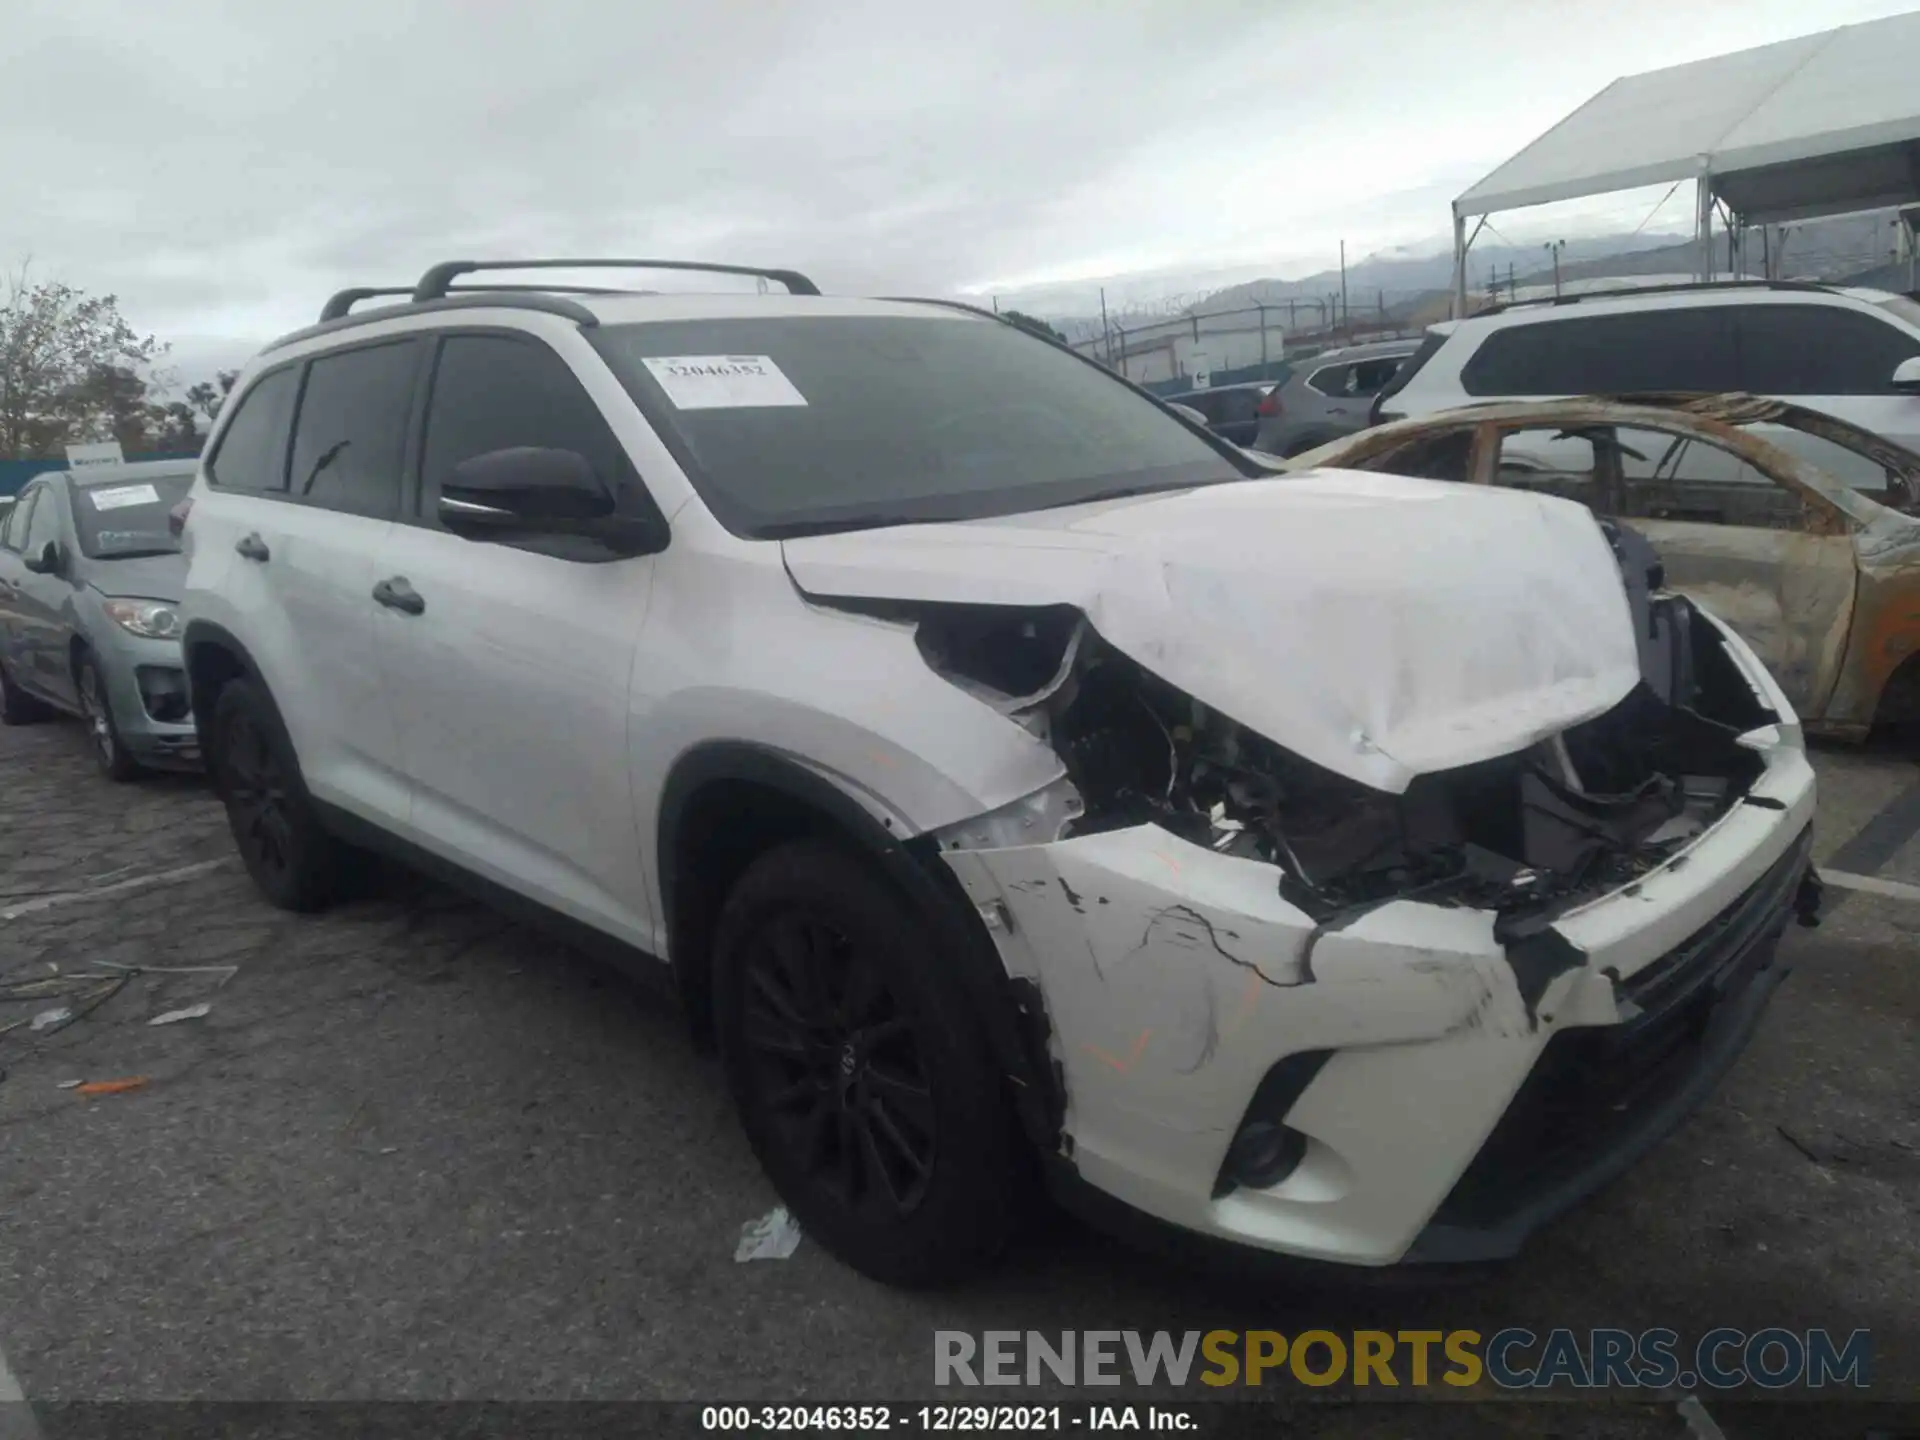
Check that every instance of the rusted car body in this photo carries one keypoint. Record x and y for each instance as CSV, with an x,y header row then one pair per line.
x,y
1800,530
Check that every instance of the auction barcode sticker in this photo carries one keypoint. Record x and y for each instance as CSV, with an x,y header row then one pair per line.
x,y
119,497
723,382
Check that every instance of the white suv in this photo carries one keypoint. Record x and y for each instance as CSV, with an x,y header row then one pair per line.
x,y
1343,866
1850,352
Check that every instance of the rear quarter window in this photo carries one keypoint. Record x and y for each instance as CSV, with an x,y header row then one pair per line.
x,y
252,453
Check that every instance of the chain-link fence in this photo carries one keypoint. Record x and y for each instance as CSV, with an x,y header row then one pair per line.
x,y
1255,339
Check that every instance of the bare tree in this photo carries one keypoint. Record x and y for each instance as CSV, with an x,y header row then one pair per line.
x,y
71,368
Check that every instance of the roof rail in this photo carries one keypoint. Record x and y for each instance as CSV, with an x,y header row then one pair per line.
x,y
343,301
482,298
439,279
1683,286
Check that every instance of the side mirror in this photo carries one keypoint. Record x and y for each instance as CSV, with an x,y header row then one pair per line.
x,y
531,489
524,487
48,561
1906,376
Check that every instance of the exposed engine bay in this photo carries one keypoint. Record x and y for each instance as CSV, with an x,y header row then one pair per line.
x,y
1525,835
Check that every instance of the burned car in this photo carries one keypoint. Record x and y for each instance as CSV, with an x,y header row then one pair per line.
x,y
1797,528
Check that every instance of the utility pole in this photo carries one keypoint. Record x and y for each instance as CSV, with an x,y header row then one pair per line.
x,y
1555,249
1345,318
1105,334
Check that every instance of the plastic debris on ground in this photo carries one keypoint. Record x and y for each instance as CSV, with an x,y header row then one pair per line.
x,y
774,1236
110,1087
190,1012
47,1019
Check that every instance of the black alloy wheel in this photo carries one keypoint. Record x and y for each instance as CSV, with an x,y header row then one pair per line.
x,y
836,1066
286,849
257,795
860,1067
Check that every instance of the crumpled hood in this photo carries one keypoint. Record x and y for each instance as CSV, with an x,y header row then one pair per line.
x,y
1378,626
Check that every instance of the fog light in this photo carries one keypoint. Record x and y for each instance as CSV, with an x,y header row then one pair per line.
x,y
1265,1149
1263,1154
163,693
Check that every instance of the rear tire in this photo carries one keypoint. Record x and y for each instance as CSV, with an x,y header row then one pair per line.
x,y
866,1089
96,711
17,707
288,852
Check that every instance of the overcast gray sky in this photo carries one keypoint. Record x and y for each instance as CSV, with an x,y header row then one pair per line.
x,y
222,166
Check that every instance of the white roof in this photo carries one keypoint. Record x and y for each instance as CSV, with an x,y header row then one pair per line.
x,y
1840,108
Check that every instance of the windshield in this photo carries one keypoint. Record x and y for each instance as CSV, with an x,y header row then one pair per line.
x,y
793,425
118,519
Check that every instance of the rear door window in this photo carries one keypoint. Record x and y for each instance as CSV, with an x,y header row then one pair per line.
x,y
1331,380
1673,477
349,441
1370,377
1818,350
252,454
1687,349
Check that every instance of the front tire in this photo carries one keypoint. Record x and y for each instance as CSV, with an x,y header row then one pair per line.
x,y
866,1089
286,849
96,709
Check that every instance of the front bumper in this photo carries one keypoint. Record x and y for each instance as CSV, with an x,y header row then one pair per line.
x,y
147,688
1458,1109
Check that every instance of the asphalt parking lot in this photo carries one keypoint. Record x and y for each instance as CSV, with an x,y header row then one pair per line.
x,y
414,1151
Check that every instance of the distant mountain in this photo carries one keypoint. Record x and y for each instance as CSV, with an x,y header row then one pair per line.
x,y
1407,279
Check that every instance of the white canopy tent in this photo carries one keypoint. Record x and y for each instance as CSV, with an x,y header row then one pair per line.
x,y
1825,124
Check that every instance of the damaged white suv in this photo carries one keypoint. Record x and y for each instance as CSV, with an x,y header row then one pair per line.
x,y
1347,867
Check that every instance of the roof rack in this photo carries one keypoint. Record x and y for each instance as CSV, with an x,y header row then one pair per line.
x,y
339,304
439,279
1683,286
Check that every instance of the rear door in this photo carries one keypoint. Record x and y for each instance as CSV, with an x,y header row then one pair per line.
x,y
1830,358
511,678
1777,564
302,490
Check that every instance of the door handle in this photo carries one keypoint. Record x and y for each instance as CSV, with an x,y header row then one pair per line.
x,y
397,594
253,547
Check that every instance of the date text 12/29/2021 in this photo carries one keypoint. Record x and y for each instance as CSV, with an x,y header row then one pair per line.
x,y
940,1419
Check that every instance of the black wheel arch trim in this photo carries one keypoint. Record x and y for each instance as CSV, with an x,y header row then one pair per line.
x,y
200,634
1007,1010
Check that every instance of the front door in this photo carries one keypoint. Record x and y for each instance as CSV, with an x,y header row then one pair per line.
x,y
510,666
41,602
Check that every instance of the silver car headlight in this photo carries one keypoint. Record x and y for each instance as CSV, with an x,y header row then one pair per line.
x,y
149,619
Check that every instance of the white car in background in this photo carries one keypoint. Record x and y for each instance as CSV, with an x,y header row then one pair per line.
x,y
1848,352
1342,867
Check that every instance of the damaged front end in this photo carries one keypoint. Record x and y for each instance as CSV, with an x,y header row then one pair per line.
x,y
1525,836
1288,1009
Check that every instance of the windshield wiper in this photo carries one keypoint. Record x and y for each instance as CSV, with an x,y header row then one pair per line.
x,y
797,529
135,554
